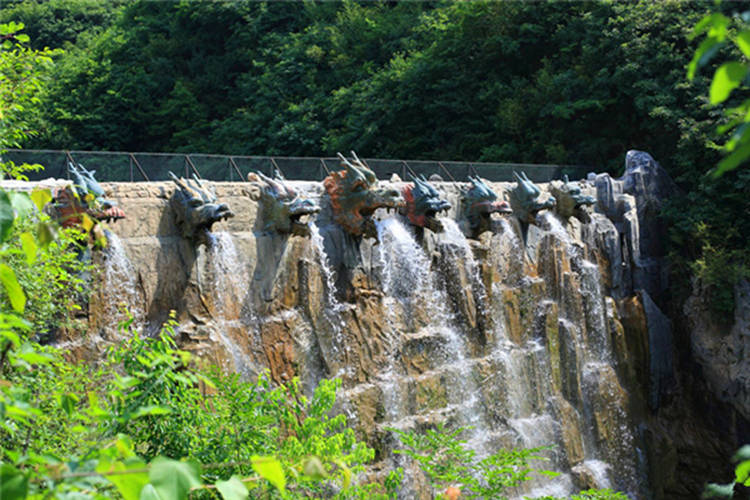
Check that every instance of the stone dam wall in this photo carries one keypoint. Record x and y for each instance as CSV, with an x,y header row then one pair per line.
x,y
542,335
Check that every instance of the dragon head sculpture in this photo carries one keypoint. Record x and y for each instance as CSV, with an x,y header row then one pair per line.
x,y
526,199
196,208
84,197
571,202
355,196
423,203
479,203
282,207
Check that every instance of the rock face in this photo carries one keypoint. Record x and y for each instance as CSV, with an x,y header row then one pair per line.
x,y
544,338
723,351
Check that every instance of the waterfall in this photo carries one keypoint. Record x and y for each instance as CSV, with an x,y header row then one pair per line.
x,y
119,288
229,286
412,292
442,329
334,309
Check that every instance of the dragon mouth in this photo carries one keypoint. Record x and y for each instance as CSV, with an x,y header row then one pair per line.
x,y
487,208
585,201
299,226
430,218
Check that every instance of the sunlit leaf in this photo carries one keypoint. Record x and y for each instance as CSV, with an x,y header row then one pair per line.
x,y
87,222
232,489
270,469
12,288
68,403
727,78
738,156
129,484
716,24
743,42
171,479
144,411
28,244
6,215
41,197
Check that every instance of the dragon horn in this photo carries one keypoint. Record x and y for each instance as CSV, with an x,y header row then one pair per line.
x,y
180,182
272,184
565,178
356,158
345,161
518,177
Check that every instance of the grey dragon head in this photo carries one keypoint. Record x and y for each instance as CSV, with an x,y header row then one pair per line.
x,y
571,202
526,199
196,208
282,207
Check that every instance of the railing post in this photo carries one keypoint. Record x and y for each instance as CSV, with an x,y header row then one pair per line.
x,y
236,168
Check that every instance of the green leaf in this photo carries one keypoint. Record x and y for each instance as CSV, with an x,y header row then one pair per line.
x,y
270,469
714,490
742,454
743,42
28,243
144,411
6,215
171,479
148,492
45,234
734,160
727,78
11,336
68,403
703,54
21,203
742,472
29,354
232,489
128,484
14,485
41,197
12,288
716,24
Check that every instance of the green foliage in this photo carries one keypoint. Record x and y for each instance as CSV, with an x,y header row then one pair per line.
x,y
720,30
447,462
22,73
741,477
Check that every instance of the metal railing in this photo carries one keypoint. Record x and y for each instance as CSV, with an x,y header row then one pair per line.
x,y
131,167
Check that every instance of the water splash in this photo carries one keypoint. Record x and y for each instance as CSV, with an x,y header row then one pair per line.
x,y
229,284
230,281
120,286
410,285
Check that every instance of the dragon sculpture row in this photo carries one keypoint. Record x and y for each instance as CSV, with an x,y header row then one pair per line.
x,y
354,196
